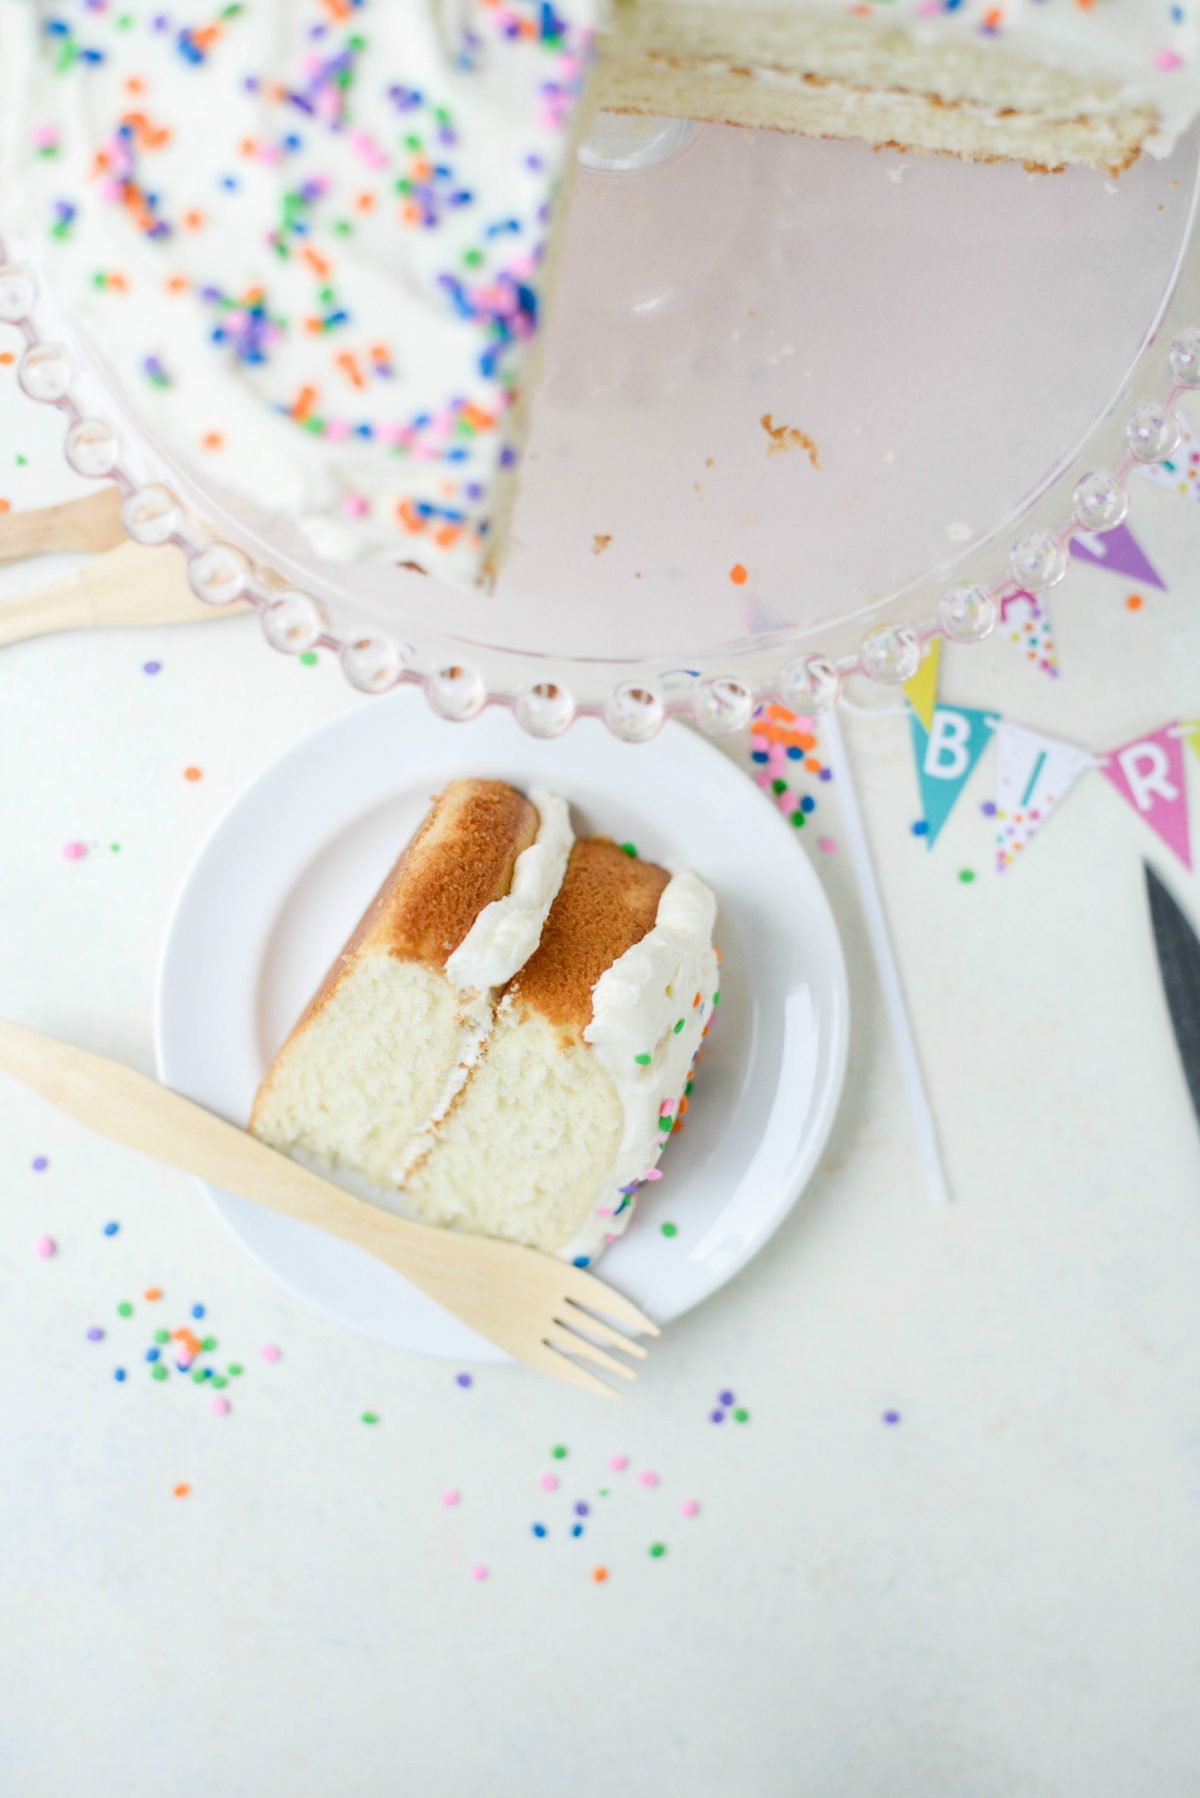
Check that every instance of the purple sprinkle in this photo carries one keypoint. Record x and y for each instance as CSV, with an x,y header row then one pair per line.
x,y
725,1398
39,1164
581,1509
988,808
463,1379
151,667
95,1334
891,1417
716,1416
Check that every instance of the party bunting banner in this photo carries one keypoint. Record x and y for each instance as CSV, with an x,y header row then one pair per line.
x,y
1024,621
1120,553
945,755
1034,773
1148,774
1191,735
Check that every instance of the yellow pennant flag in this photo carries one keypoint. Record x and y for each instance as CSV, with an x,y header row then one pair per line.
x,y
921,690
1191,733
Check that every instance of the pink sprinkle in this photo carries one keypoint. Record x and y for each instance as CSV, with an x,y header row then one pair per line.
x,y
45,1246
218,1406
269,1352
827,846
74,852
618,1463
450,1496
1167,60
548,1482
479,1572
354,506
688,1508
337,430
648,1478
652,1173
44,136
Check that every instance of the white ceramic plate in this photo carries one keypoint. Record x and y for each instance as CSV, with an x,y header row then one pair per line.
x,y
274,892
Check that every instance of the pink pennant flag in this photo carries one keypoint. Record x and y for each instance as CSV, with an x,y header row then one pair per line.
x,y
1148,774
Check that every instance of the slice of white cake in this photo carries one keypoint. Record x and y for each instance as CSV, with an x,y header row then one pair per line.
x,y
390,1034
505,1043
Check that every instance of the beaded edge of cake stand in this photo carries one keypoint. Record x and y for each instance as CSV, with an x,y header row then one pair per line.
x,y
293,622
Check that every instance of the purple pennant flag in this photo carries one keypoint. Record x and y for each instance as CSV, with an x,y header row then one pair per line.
x,y
1120,552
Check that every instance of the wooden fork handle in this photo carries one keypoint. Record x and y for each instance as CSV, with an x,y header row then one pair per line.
x,y
128,1107
128,585
90,522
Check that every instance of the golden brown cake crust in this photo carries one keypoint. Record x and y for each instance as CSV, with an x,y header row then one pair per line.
x,y
461,859
607,902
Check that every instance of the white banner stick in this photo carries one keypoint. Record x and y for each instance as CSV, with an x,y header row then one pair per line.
x,y
885,959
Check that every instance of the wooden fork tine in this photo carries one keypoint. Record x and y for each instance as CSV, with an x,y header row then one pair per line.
x,y
561,1336
592,1294
576,1318
552,1361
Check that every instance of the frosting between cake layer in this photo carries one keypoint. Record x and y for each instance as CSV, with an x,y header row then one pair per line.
x,y
506,932
650,1010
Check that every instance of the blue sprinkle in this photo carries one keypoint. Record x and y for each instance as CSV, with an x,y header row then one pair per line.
x,y
539,1529
577,1529
807,804
581,1260
197,1310
111,1229
920,828
118,1373
152,1354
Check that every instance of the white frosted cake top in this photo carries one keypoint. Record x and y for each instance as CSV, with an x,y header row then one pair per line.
x,y
308,237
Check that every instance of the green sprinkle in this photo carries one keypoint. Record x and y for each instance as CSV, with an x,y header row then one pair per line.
x,y
158,1371
798,819
218,1380
343,227
314,426
114,848
665,1123
603,1492
687,1091
370,1417
716,998
628,849
99,279
966,875
559,1452
472,258
161,1336
669,1229
197,1376
657,1550
308,658
643,1060
778,787
209,1344
413,142
741,1415
680,1025
234,1369
20,461
124,1309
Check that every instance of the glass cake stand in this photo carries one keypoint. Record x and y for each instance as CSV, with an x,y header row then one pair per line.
x,y
803,407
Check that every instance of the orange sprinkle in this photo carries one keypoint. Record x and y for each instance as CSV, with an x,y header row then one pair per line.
x,y
599,1574
176,283
695,1001
446,536
337,9
408,516
182,1490
134,84
304,403
317,263
193,220
190,774
211,440
1134,603
152,1293
379,352
118,282
6,356
5,506
364,201
738,575
350,368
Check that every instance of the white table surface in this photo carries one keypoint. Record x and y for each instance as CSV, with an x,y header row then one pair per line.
x,y
994,1597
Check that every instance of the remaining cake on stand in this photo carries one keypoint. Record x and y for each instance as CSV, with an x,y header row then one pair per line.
x,y
506,1040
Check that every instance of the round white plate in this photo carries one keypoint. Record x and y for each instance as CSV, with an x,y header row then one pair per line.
x,y
276,889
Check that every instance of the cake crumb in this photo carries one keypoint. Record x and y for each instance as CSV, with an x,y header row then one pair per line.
x,y
600,542
786,437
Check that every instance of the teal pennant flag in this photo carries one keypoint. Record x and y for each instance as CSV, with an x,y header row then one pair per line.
x,y
945,754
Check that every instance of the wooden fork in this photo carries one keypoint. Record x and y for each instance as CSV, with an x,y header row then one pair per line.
x,y
127,585
90,522
537,1308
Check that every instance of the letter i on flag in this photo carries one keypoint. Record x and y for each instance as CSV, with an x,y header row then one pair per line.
x,y
1033,774
945,755
1148,774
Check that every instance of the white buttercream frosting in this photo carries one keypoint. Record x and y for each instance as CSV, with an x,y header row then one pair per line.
x,y
506,932
649,1012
